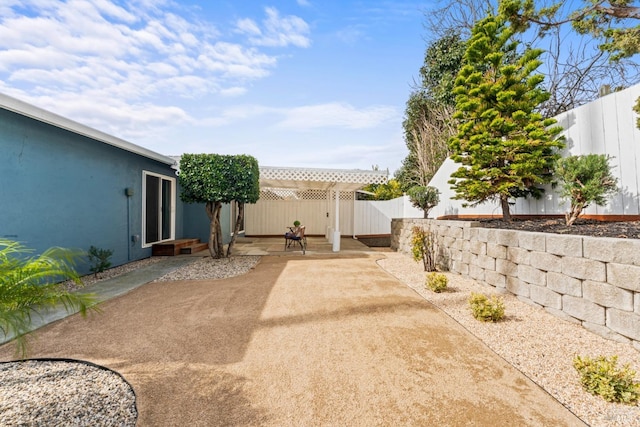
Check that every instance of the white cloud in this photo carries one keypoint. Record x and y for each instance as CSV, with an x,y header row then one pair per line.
x,y
133,58
350,35
337,115
304,3
277,31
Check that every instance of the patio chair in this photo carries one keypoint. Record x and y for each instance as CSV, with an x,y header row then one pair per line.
x,y
294,237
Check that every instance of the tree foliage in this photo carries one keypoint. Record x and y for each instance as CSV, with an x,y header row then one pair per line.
x,y
575,65
636,108
427,124
33,284
585,179
506,148
605,20
388,191
425,198
214,179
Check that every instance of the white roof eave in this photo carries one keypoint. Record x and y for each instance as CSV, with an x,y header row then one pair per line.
x,y
44,116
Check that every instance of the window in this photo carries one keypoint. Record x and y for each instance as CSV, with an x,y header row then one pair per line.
x,y
158,208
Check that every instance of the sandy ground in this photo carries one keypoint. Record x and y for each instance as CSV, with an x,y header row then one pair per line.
x,y
299,341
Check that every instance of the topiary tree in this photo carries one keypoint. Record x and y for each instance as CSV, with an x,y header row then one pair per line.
x,y
585,179
425,198
32,284
506,148
214,179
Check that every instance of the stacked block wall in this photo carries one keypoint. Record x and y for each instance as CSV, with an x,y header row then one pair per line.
x,y
593,281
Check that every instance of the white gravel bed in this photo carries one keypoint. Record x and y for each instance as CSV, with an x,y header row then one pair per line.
x,y
64,393
211,268
539,344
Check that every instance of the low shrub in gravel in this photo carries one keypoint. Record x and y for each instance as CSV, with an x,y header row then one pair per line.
x,y
602,377
486,309
437,282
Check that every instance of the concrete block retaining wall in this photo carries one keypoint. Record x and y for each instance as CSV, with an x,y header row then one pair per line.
x,y
593,281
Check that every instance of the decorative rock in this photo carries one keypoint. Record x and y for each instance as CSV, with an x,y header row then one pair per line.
x,y
582,268
583,310
564,284
624,322
607,295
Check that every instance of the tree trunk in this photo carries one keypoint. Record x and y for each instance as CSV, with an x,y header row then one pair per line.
x,y
504,203
215,231
236,229
571,216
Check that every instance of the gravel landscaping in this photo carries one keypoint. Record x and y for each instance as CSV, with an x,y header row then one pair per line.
x,y
537,343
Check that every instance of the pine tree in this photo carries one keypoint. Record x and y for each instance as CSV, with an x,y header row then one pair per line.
x,y
506,148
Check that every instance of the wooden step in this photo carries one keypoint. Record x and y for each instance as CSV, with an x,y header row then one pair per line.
x,y
172,247
194,248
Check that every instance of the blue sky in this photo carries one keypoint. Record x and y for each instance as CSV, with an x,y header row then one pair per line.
x,y
304,83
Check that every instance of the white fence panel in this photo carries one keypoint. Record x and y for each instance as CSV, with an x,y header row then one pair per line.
x,y
374,216
271,217
604,126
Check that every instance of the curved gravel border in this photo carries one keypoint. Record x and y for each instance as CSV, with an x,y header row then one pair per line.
x,y
64,392
540,345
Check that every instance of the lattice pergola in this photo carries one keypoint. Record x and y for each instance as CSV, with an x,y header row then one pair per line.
x,y
286,183
319,179
280,183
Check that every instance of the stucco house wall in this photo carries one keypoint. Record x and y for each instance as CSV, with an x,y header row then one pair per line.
x,y
68,188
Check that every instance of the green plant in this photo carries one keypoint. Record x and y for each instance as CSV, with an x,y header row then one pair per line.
x,y
437,282
296,223
602,377
585,179
99,259
425,198
423,247
214,179
504,146
486,309
30,284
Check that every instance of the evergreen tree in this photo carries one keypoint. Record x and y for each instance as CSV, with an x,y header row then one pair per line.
x,y
427,123
506,148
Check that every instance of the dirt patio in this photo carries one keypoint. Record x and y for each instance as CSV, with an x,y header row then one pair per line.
x,y
318,340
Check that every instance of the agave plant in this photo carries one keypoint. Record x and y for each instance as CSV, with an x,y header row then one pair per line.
x,y
30,284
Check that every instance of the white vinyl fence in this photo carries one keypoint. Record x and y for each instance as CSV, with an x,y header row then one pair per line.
x,y
604,126
357,217
374,217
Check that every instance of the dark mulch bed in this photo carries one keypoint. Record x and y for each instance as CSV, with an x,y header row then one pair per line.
x,y
585,227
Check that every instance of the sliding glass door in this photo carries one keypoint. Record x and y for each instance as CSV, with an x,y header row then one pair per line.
x,y
158,214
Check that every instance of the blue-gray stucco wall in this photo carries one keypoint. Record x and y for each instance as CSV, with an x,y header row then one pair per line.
x,y
196,222
62,189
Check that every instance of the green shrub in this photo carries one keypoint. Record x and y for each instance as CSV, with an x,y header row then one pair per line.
x,y
601,377
585,179
99,259
437,282
486,309
425,198
32,284
423,247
